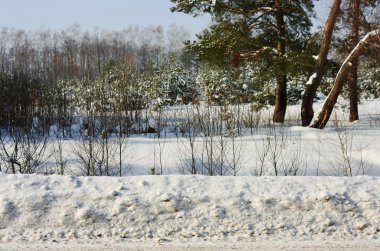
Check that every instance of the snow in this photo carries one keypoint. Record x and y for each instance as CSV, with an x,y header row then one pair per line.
x,y
311,151
321,96
205,246
174,212
312,77
361,43
187,209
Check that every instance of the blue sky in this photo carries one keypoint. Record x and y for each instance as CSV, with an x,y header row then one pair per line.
x,y
107,14
104,14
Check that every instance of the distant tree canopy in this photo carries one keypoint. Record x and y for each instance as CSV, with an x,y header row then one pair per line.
x,y
42,72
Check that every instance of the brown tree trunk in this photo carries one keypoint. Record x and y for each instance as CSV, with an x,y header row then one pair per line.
x,y
353,84
328,106
281,100
307,112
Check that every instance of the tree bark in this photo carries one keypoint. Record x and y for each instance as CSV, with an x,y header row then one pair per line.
x,y
307,112
353,84
281,99
328,106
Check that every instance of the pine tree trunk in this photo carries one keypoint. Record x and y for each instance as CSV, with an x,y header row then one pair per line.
x,y
324,116
281,99
353,84
354,93
307,112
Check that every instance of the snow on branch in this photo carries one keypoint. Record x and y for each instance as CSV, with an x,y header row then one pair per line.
x,y
257,54
312,77
369,39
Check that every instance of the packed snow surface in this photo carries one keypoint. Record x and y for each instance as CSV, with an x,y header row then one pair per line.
x,y
191,209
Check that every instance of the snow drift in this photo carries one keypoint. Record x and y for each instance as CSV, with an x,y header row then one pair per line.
x,y
187,208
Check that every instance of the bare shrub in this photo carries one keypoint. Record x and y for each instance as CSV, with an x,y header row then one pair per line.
x,y
349,157
187,150
24,151
277,152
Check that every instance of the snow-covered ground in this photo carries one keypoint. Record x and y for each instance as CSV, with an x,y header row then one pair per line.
x,y
341,149
313,211
189,212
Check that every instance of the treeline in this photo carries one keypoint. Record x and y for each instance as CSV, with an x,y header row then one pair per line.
x,y
113,79
261,53
51,55
40,70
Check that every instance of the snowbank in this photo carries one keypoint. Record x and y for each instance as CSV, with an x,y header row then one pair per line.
x,y
60,209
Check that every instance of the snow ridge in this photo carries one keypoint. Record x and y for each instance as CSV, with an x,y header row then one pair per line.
x,y
187,208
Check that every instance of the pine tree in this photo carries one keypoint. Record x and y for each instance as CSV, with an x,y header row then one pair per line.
x,y
312,85
252,30
354,24
369,42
